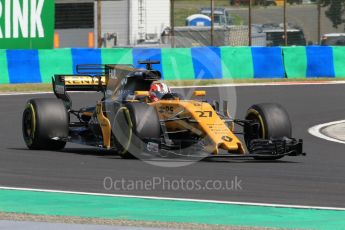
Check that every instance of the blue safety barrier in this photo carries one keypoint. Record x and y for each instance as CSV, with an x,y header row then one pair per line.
x,y
23,66
268,62
86,56
31,66
320,61
207,63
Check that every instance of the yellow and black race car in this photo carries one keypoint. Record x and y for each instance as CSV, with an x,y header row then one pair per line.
x,y
126,121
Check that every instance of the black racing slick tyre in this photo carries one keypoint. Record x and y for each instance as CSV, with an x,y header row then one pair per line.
x,y
43,120
274,123
145,120
136,123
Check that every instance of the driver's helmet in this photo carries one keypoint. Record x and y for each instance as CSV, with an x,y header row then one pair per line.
x,y
158,90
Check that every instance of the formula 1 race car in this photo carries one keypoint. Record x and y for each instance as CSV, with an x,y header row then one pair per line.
x,y
126,121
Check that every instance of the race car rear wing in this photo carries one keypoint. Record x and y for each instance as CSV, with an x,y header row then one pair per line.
x,y
63,83
96,78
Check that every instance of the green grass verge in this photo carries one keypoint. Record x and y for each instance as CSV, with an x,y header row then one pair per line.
x,y
26,88
177,213
48,87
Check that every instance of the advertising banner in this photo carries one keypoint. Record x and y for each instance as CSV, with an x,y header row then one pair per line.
x,y
27,24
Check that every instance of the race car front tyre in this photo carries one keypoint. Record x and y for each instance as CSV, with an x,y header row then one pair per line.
x,y
43,120
137,122
145,120
274,123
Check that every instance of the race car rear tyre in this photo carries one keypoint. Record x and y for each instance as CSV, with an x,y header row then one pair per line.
x,y
44,119
274,123
142,123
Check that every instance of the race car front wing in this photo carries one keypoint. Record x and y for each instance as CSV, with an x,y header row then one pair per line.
x,y
259,148
276,147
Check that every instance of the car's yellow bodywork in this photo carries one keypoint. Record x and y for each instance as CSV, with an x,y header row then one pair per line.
x,y
182,123
104,125
203,121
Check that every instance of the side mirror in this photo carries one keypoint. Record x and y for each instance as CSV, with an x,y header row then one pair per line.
x,y
199,93
142,93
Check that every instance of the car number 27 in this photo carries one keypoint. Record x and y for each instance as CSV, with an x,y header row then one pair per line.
x,y
204,113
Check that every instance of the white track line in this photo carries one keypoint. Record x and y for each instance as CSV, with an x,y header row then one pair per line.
x,y
316,131
175,199
215,86
23,93
264,84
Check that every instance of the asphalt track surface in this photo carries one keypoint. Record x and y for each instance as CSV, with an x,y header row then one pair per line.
x,y
317,179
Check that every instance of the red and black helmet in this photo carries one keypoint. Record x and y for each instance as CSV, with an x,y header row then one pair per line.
x,y
158,90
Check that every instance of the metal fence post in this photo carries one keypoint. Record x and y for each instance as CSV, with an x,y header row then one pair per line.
x,y
99,23
319,22
212,22
172,22
250,23
285,26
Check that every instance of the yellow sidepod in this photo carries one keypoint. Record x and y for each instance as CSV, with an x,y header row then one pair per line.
x,y
204,121
105,125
